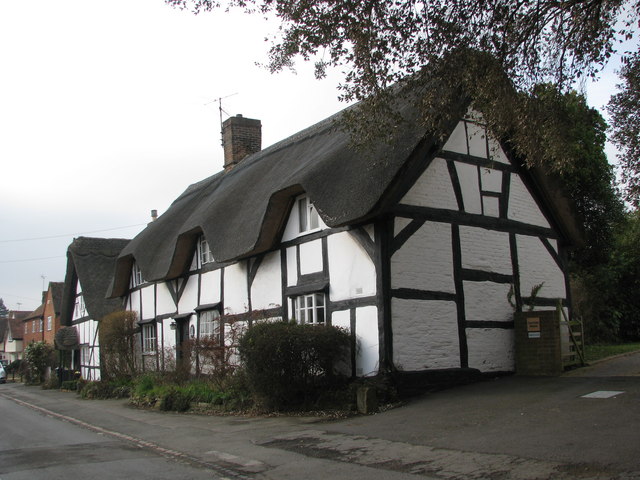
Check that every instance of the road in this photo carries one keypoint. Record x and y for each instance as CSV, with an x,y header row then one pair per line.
x,y
508,428
35,446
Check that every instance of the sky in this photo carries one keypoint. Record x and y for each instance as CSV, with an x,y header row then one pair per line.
x,y
109,109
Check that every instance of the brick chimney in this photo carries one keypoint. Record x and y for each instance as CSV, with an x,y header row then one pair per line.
x,y
240,138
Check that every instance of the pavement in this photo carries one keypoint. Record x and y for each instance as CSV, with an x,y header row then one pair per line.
x,y
520,428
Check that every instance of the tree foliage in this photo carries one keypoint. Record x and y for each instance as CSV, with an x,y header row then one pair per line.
x,y
37,357
378,43
624,108
118,344
4,311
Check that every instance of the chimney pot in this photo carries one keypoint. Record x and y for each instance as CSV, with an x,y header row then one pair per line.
x,y
241,137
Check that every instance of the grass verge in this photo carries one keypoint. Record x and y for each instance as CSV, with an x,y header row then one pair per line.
x,y
598,352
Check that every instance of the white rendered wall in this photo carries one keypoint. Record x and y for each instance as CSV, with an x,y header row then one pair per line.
x,y
367,340
292,266
266,289
134,303
189,299
487,301
164,300
469,183
351,271
210,287
291,230
236,298
425,261
311,257
148,302
485,250
425,334
457,141
433,188
537,266
491,349
522,206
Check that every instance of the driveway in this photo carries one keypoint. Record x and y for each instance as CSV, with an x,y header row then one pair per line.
x,y
505,428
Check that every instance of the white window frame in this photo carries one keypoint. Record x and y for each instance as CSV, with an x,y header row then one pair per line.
x,y
41,325
204,252
26,327
209,324
149,338
33,326
310,308
85,355
308,218
49,323
136,275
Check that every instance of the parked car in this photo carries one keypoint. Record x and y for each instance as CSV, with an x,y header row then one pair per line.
x,y
3,374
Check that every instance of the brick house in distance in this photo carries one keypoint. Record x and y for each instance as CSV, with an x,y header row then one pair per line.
x,y
42,324
11,336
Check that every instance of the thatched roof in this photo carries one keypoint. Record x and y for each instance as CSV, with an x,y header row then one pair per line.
x,y
91,261
242,212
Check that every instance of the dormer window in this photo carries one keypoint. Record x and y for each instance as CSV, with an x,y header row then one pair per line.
x,y
205,251
308,219
136,275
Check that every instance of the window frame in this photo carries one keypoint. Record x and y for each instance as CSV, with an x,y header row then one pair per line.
x,y
49,323
210,327
308,218
311,307
136,275
149,338
204,251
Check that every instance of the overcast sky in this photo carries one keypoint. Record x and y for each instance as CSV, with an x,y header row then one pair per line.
x,y
108,110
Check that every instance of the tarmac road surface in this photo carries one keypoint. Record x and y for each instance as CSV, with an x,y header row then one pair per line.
x,y
522,428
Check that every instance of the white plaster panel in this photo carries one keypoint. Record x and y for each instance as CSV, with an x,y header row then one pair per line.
x,y
485,250
292,267
487,301
291,229
457,141
425,334
351,271
522,206
236,299
148,302
491,206
168,335
133,302
433,188
311,257
164,300
537,266
370,229
189,299
425,261
496,153
266,290
468,176
210,287
477,135
341,319
367,340
399,223
491,180
491,349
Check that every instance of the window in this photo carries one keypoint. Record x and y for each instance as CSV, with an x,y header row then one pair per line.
x,y
49,322
41,325
33,326
85,355
136,275
309,308
149,338
209,323
308,219
26,328
205,251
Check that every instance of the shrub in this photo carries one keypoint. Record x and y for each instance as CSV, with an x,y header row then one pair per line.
x,y
174,398
37,357
288,365
118,344
106,389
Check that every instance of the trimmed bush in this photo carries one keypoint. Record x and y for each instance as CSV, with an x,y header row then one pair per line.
x,y
290,365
